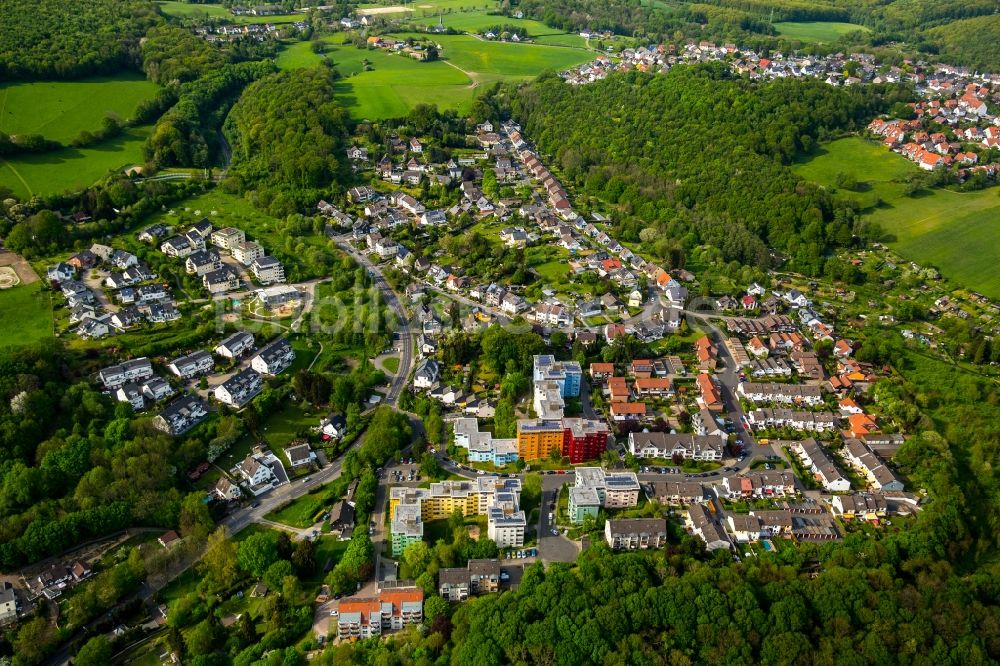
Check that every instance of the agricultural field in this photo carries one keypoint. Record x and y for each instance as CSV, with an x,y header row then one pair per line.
x,y
953,231
817,31
378,84
25,314
427,7
486,62
392,86
60,110
185,10
71,169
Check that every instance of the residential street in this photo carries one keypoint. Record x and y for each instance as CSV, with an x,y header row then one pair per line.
x,y
398,382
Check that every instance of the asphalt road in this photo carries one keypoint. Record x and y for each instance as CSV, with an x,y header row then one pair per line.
x,y
398,382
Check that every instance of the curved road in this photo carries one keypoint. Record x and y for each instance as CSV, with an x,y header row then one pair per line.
x,y
392,299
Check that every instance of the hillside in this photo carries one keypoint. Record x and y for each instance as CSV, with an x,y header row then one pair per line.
x,y
698,155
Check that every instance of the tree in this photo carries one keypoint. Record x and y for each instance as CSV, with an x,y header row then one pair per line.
x,y
257,552
95,652
195,520
275,574
221,562
304,557
35,640
203,637
246,629
435,607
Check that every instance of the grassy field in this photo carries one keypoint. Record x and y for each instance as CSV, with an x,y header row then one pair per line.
x,y
879,171
394,83
71,169
225,210
25,315
816,31
490,61
185,10
60,110
431,7
954,231
476,21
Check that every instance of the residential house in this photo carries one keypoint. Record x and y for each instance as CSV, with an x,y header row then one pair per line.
x,y
226,490
815,457
333,426
702,524
132,394
240,389
274,358
246,252
181,415
228,238
134,370
636,533
156,388
192,365
221,280
203,261
668,446
267,270
235,345
426,374
300,454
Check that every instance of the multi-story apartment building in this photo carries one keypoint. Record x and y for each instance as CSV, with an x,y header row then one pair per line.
x,y
565,373
636,533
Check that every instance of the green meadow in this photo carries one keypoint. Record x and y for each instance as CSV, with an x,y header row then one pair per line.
x,y
392,86
60,110
25,315
816,31
186,10
476,21
428,7
490,61
71,169
393,83
955,232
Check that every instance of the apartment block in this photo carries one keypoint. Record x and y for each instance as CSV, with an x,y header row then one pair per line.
x,y
565,373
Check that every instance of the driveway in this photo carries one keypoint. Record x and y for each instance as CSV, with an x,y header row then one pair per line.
x,y
554,548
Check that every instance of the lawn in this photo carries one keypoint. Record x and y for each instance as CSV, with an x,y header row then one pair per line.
x,y
817,31
391,364
953,231
25,315
301,512
60,110
71,169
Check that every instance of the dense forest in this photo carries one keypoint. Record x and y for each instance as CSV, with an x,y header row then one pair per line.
x,y
288,138
697,156
187,135
56,39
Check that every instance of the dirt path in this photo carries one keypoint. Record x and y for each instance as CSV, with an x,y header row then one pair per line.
x,y
19,177
473,76
20,266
